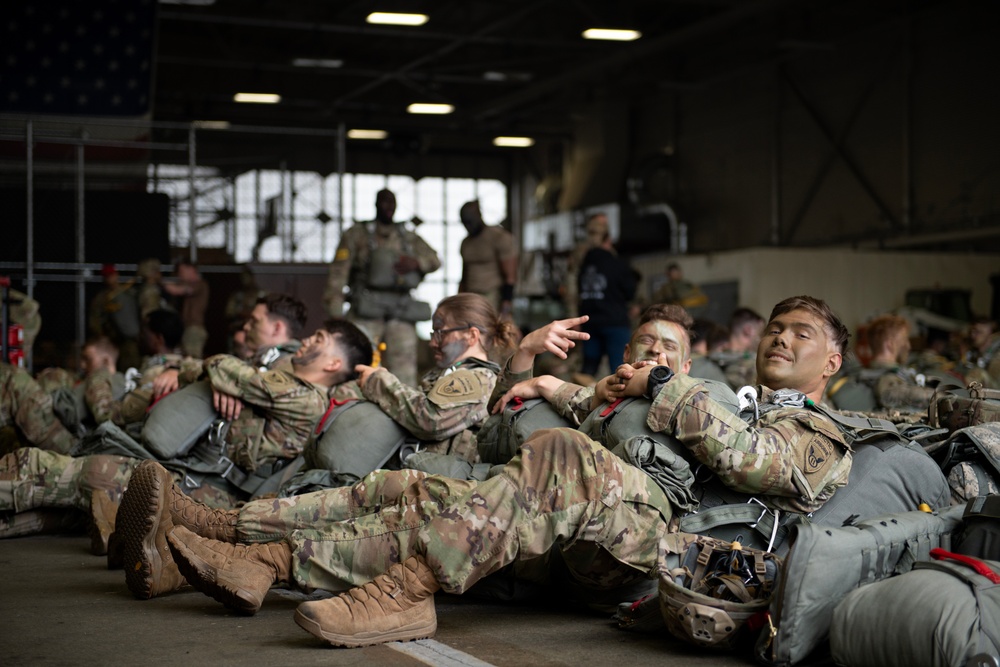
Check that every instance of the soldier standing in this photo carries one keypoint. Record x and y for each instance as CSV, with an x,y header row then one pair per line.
x,y
489,259
382,262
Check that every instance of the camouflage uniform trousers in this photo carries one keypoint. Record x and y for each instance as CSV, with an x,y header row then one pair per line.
x,y
562,490
24,403
34,479
968,480
400,338
271,520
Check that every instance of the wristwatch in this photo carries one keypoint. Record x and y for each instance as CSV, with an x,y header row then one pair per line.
x,y
658,376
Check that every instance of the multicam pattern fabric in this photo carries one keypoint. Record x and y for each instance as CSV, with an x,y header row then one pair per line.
x,y
562,491
897,390
23,403
795,457
32,479
571,401
447,409
269,520
280,416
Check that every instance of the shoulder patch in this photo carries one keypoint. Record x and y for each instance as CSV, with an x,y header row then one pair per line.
x,y
819,456
462,386
278,379
343,254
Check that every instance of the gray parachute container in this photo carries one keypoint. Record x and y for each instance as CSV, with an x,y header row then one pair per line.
x,y
502,435
354,439
178,420
939,614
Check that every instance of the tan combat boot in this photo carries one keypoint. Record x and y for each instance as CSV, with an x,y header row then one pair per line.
x,y
201,519
102,521
142,525
237,575
395,606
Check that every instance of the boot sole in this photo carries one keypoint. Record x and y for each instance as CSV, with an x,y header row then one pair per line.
x,y
188,562
365,638
138,522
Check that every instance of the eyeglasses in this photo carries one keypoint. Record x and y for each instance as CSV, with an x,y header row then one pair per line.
x,y
437,335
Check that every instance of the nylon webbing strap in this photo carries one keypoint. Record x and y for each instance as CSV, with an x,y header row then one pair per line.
x,y
862,427
753,515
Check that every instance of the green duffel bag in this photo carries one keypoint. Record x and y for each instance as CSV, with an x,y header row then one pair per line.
x,y
178,420
502,435
943,613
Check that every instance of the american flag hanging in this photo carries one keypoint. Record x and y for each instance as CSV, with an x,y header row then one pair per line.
x,y
77,58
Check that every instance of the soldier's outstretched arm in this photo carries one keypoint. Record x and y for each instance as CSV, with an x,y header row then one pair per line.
x,y
558,337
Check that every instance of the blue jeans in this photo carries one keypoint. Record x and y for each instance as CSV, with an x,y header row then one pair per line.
x,y
604,340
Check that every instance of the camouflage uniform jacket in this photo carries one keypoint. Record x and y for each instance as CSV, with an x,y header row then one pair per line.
x,y
279,414
276,356
350,264
25,404
571,401
134,404
447,409
796,457
896,389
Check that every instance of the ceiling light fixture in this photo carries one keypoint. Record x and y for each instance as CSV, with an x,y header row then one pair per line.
x,y
257,98
211,124
367,134
612,34
426,107
392,18
327,63
513,142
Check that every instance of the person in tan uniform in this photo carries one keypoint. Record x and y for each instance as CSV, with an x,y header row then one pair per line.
x,y
193,292
382,262
489,259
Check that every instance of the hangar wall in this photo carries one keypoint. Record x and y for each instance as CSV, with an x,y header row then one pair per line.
x,y
857,284
751,159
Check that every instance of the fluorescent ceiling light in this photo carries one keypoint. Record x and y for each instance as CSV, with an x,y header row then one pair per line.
x,y
367,134
392,18
257,98
612,34
425,107
514,142
211,124
329,63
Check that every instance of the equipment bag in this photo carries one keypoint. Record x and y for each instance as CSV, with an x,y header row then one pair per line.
x,y
177,421
943,613
825,563
710,589
502,435
970,457
980,533
354,438
954,410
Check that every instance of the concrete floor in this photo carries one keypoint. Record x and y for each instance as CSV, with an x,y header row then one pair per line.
x,y
59,605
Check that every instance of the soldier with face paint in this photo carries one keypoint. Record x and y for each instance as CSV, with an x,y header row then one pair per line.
x,y
562,491
444,412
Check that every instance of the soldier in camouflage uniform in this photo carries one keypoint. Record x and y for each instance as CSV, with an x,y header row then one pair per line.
x,y
444,414
25,405
151,296
739,359
561,490
896,387
382,262
271,331
282,410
